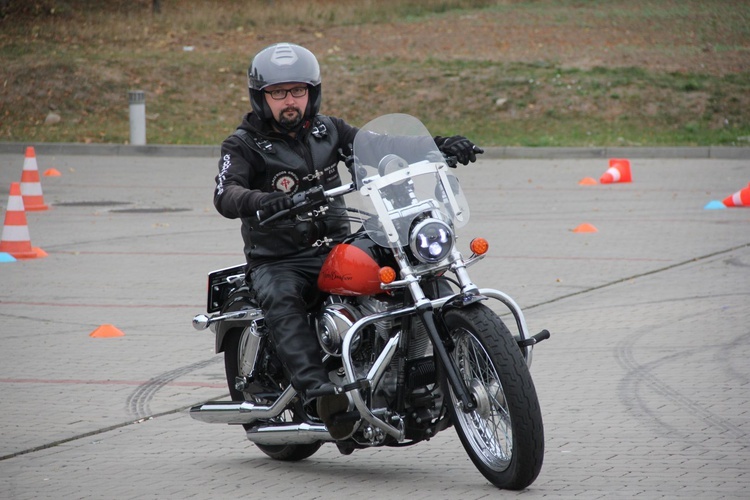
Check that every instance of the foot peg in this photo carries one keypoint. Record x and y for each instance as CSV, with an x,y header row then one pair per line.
x,y
324,390
534,339
332,390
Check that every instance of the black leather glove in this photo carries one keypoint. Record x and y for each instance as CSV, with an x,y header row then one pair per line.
x,y
347,156
459,146
273,203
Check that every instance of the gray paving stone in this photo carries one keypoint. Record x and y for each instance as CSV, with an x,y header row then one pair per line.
x,y
644,386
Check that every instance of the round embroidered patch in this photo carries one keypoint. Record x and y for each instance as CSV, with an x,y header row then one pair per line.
x,y
286,182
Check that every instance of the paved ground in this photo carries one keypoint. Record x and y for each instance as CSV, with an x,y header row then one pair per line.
x,y
645,384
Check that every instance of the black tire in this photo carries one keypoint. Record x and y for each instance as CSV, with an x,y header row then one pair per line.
x,y
285,453
504,436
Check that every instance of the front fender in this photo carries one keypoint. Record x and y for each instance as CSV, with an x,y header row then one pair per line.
x,y
458,301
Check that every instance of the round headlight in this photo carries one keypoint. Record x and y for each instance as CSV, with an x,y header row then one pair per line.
x,y
431,240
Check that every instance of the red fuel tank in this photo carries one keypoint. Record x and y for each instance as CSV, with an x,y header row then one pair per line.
x,y
349,270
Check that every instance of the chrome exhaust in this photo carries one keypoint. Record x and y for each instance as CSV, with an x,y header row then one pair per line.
x,y
288,433
236,412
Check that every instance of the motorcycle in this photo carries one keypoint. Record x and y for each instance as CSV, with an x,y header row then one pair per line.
x,y
403,330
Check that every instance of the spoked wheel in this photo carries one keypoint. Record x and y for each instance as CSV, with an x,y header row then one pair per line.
x,y
233,343
504,435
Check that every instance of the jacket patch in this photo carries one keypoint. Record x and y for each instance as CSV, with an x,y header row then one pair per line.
x,y
286,182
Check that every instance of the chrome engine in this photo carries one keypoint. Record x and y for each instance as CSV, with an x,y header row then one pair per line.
x,y
338,315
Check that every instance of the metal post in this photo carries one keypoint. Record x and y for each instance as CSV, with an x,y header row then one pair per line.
x,y
137,100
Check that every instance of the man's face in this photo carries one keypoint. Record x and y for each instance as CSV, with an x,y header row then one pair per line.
x,y
289,110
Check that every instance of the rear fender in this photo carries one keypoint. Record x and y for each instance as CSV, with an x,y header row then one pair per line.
x,y
238,301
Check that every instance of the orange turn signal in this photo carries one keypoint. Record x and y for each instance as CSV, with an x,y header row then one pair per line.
x,y
387,275
479,246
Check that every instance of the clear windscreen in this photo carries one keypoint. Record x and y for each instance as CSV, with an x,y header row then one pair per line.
x,y
401,175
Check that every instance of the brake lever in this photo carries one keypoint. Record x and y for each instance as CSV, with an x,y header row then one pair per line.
x,y
451,161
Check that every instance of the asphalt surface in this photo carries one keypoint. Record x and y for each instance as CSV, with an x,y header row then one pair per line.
x,y
644,385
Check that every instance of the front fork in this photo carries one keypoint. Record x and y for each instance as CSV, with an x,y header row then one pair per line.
x,y
427,314
459,388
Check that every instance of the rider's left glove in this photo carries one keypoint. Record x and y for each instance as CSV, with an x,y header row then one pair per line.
x,y
459,146
275,202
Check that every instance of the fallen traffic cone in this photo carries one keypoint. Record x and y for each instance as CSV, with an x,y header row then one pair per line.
x,y
31,187
52,172
106,332
739,199
15,239
618,171
585,228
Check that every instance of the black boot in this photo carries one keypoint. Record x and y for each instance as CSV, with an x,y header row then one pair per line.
x,y
301,357
329,408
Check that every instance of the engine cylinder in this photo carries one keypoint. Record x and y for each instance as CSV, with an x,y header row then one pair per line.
x,y
332,324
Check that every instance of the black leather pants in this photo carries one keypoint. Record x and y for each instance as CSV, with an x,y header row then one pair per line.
x,y
283,289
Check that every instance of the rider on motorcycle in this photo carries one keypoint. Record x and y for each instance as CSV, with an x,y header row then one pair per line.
x,y
282,147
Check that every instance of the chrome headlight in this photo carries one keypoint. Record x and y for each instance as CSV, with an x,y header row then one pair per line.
x,y
431,240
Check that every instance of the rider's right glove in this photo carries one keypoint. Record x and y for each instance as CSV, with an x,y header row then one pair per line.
x,y
459,146
274,202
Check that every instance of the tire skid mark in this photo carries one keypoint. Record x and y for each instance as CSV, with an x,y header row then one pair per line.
x,y
741,378
640,377
139,401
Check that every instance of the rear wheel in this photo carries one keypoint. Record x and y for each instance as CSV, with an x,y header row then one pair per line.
x,y
504,435
232,363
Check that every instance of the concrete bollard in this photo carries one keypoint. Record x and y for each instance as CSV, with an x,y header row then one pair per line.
x,y
137,100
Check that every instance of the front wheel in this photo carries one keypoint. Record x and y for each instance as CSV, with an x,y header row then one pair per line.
x,y
504,435
233,351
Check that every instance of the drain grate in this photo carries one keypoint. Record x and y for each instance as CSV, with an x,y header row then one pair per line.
x,y
91,203
156,210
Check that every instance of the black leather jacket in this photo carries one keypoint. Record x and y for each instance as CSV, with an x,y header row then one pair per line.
x,y
256,160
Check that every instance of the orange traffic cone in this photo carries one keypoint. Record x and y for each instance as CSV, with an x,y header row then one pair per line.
x,y
31,187
618,171
739,199
15,239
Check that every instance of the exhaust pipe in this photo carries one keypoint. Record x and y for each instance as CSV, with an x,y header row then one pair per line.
x,y
236,412
288,433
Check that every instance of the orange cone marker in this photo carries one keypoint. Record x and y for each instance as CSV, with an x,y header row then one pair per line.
x,y
585,228
618,171
739,199
15,239
587,181
106,332
52,172
31,187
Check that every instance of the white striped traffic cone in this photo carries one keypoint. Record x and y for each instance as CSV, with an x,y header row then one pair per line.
x,y
739,199
31,187
15,239
618,171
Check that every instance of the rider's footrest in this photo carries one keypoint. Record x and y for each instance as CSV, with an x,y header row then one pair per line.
x,y
349,416
355,386
534,339
330,390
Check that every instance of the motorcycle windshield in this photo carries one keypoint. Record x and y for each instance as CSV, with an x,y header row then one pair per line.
x,y
402,176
